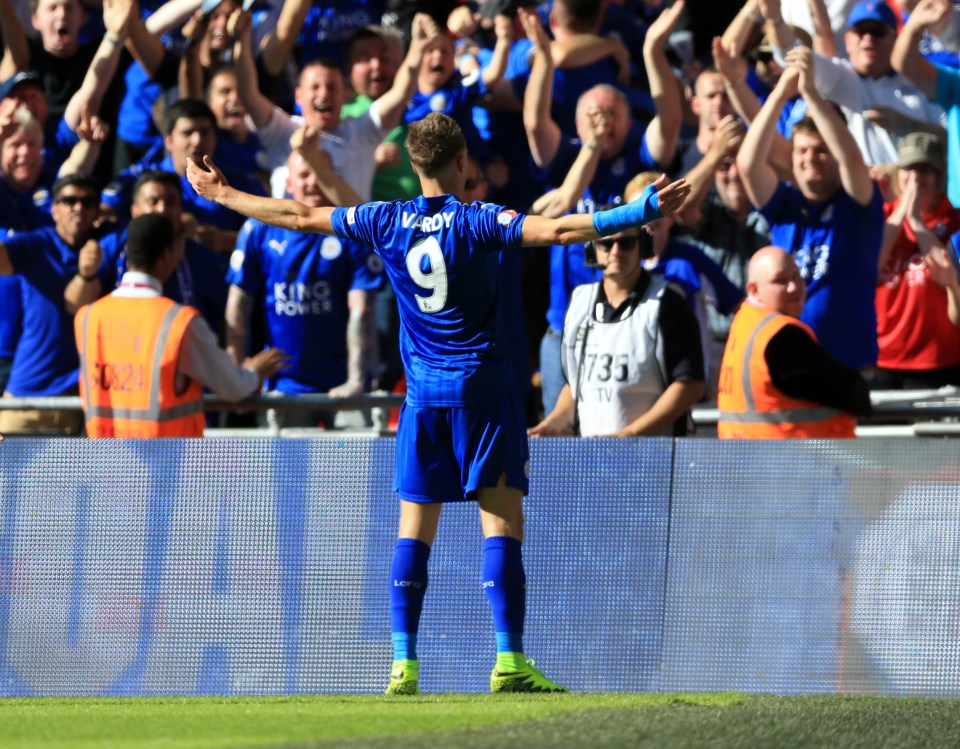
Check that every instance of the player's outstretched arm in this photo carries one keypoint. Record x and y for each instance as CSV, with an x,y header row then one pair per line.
x,y
211,184
656,201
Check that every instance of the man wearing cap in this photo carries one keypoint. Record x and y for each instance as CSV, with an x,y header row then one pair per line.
x,y
776,381
918,293
880,105
144,358
939,82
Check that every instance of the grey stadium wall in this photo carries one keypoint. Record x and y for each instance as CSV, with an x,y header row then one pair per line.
x,y
261,567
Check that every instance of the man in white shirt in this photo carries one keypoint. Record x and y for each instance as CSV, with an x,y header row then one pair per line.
x,y
320,94
880,105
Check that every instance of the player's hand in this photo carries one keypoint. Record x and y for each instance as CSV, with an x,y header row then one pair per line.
x,y
670,197
209,181
349,389
89,258
266,363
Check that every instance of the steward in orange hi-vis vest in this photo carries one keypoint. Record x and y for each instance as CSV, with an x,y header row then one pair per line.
x,y
750,405
129,351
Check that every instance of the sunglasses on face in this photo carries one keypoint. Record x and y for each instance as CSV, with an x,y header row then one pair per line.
x,y
876,30
87,201
627,244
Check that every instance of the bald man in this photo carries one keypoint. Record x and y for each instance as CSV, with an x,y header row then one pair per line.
x,y
776,380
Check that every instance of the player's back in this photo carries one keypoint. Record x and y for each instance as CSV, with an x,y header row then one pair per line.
x,y
442,258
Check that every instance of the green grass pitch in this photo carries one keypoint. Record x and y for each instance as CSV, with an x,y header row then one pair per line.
x,y
584,721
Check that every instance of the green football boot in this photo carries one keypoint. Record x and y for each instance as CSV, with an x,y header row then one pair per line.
x,y
528,679
403,677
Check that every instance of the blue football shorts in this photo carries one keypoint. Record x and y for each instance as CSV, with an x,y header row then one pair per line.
x,y
445,454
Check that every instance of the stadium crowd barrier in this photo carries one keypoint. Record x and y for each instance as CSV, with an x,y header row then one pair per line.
x,y
224,567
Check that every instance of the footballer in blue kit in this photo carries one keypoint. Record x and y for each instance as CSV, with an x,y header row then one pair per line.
x,y
461,434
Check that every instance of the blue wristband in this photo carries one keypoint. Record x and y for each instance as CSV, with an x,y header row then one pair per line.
x,y
643,210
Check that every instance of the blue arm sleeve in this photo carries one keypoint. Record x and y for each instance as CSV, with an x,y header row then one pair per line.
x,y
643,210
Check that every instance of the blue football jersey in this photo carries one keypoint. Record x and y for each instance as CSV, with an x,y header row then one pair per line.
x,y
442,257
304,279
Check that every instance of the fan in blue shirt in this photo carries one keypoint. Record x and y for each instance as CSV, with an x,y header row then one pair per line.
x,y
49,261
316,300
198,278
191,131
461,434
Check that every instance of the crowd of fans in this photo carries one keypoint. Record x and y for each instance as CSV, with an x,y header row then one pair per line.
x,y
826,127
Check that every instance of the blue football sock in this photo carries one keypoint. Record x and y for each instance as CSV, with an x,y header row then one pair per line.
x,y
505,582
408,575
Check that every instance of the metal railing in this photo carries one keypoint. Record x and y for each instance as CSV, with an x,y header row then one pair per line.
x,y
895,412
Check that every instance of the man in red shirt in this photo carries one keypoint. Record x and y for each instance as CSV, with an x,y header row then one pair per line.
x,y
918,292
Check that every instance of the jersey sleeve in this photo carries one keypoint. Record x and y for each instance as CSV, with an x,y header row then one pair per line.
x,y
246,263
494,227
359,223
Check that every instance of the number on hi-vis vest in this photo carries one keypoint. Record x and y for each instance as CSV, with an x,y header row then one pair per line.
x,y
124,378
725,385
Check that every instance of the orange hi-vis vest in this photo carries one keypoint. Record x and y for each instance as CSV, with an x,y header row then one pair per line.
x,y
129,349
750,405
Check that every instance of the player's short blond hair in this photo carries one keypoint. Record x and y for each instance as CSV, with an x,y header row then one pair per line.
x,y
434,143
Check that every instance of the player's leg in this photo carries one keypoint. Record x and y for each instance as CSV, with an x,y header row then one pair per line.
x,y
492,446
408,587
505,582
425,477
